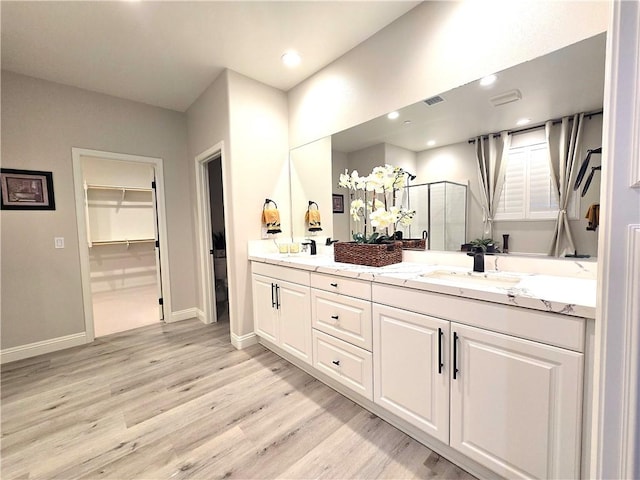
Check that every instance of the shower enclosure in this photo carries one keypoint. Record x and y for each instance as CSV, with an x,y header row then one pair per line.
x,y
441,211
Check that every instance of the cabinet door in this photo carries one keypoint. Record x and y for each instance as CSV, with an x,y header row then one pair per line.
x,y
265,315
294,306
408,349
516,405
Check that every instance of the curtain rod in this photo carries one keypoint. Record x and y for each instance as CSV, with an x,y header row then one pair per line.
x,y
535,127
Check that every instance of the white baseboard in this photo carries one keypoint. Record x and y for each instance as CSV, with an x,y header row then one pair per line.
x,y
38,348
185,314
243,341
200,316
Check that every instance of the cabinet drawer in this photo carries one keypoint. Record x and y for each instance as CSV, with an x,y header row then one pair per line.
x,y
344,317
344,286
281,273
551,328
349,365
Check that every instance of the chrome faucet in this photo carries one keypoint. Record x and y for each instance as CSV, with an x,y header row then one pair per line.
x,y
478,258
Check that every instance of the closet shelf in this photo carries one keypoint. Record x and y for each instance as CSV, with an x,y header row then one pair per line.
x,y
122,242
93,186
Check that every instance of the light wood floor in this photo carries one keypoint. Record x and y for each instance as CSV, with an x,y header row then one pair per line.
x,y
178,401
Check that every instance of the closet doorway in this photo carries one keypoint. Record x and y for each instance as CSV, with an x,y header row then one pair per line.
x,y
120,232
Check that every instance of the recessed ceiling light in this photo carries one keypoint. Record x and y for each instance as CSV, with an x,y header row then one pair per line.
x,y
523,121
488,80
291,58
393,115
431,143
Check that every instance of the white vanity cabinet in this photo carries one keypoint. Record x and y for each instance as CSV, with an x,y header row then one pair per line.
x,y
411,368
496,388
282,308
515,404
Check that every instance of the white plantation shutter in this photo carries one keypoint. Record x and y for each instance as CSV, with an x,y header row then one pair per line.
x,y
512,199
543,201
528,192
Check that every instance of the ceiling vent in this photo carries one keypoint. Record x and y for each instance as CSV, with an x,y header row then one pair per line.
x,y
434,100
504,98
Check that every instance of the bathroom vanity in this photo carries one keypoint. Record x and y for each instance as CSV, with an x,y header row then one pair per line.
x,y
490,370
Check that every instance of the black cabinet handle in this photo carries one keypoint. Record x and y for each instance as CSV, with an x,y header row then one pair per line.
x,y
440,364
335,317
333,284
273,299
277,296
455,355
336,362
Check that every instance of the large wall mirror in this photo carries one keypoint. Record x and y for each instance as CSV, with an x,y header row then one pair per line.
x,y
310,167
431,139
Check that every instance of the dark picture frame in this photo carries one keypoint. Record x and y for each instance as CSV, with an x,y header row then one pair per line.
x,y
338,203
26,190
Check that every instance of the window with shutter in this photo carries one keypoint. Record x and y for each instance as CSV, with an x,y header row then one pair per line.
x,y
528,192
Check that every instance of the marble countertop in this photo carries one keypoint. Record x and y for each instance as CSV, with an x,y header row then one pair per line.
x,y
557,294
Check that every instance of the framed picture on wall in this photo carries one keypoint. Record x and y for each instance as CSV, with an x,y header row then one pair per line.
x,y
338,203
26,190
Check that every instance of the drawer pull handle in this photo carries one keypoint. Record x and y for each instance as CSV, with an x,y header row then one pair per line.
x,y
273,297
336,362
455,355
334,284
335,317
440,364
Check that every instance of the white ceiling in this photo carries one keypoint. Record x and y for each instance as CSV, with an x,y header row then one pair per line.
x,y
167,53
568,81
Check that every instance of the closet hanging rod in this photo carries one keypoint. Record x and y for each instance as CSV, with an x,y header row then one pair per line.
x,y
555,121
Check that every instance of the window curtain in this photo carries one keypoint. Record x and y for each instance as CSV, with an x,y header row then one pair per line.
x,y
491,160
568,148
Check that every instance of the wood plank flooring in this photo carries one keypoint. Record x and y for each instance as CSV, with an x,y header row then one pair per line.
x,y
177,401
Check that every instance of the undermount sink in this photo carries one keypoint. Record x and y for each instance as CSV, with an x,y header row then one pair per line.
x,y
488,279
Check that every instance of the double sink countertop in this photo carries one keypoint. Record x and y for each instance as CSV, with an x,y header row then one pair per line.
x,y
558,294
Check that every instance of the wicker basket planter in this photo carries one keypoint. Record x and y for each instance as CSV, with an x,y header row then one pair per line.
x,y
414,244
371,254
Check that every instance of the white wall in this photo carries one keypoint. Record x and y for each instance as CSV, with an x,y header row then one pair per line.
x,y
251,119
400,157
433,48
259,161
366,159
41,121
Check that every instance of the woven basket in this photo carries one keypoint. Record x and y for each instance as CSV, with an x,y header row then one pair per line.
x,y
414,244
371,254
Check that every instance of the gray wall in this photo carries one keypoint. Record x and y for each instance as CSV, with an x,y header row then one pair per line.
x,y
41,122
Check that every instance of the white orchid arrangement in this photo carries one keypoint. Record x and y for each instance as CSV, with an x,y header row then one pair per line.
x,y
375,202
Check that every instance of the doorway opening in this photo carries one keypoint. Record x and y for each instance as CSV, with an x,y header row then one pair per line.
x,y
121,232
213,240
218,248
